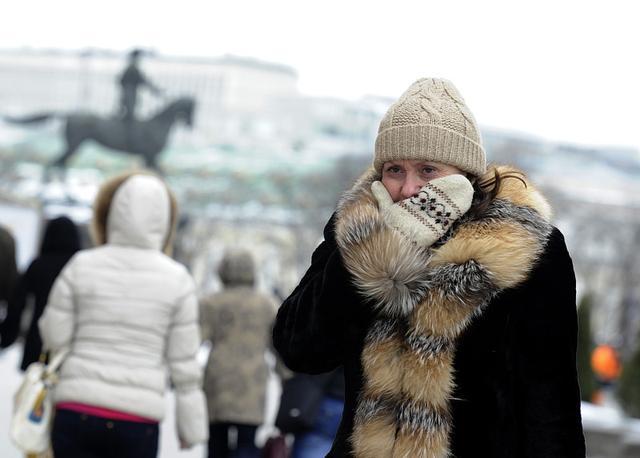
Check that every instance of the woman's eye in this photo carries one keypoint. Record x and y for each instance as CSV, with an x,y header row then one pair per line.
x,y
393,169
428,170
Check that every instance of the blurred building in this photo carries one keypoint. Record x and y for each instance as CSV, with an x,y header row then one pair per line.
x,y
240,101
226,87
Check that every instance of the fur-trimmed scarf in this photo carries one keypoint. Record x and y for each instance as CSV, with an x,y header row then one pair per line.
x,y
426,298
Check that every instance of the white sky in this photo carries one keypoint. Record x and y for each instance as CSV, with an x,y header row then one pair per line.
x,y
562,69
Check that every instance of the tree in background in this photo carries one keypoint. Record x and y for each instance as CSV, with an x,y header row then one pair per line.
x,y
629,384
586,377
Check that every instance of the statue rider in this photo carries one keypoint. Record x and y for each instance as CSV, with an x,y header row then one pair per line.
x,y
130,80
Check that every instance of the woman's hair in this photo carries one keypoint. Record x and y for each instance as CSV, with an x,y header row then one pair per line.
x,y
487,187
61,235
8,268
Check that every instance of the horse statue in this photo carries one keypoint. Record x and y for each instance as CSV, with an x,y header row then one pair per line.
x,y
145,138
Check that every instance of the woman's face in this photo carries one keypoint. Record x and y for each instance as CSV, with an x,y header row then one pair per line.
x,y
404,178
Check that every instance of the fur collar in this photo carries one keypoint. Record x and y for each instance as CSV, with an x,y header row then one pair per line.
x,y
426,297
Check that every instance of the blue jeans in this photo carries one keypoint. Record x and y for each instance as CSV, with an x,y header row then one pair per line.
x,y
77,435
317,442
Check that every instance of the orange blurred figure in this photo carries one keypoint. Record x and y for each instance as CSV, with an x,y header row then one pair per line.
x,y
606,363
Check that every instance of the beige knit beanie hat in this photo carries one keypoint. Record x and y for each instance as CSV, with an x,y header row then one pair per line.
x,y
431,122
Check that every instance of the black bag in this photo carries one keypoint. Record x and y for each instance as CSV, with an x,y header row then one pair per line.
x,y
299,402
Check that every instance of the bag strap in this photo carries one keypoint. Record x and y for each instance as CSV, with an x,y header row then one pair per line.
x,y
56,361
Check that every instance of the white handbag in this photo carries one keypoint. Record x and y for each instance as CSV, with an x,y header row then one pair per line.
x,y
33,407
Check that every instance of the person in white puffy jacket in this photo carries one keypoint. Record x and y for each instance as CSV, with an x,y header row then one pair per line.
x,y
128,314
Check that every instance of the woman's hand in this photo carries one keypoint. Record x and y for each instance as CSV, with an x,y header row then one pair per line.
x,y
428,215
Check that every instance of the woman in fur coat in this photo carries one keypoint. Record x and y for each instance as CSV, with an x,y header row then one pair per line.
x,y
128,315
446,294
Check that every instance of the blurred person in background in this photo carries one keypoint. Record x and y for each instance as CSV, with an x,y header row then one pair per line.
x,y
310,409
607,367
447,295
8,277
60,242
237,322
317,442
128,314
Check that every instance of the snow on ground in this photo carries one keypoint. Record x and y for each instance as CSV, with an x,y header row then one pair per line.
x,y
11,377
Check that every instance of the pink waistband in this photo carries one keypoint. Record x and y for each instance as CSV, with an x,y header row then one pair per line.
x,y
102,412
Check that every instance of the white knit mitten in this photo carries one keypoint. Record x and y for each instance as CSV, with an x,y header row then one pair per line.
x,y
426,216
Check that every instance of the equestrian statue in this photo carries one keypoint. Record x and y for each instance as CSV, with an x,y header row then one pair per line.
x,y
124,132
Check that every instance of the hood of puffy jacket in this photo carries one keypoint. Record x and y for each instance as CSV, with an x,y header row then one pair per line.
x,y
135,210
237,268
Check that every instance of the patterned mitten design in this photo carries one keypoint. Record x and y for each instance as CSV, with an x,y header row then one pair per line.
x,y
426,216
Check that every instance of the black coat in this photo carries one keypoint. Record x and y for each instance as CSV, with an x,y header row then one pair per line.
x,y
8,269
61,240
517,393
